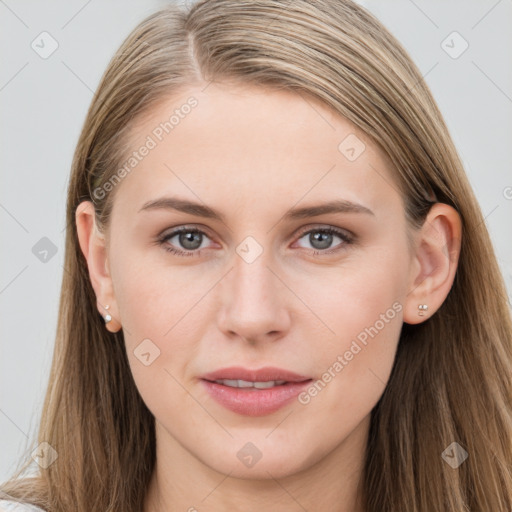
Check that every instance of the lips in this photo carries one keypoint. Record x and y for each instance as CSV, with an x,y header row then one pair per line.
x,y
244,391
261,375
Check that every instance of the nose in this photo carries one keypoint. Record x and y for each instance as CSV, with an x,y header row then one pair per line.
x,y
253,302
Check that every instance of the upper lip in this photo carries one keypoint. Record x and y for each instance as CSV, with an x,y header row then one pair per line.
x,y
265,374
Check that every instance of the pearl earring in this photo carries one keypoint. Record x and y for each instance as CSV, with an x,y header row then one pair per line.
x,y
108,316
422,308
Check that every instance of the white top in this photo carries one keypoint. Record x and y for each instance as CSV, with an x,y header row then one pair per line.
x,y
14,506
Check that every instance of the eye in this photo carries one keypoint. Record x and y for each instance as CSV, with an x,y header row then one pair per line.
x,y
322,239
190,239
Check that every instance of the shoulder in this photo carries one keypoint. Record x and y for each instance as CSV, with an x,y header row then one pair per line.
x,y
14,506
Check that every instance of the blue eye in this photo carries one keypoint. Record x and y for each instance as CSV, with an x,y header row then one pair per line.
x,y
191,240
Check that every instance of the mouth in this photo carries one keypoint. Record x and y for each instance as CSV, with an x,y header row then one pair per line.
x,y
254,392
245,384
245,376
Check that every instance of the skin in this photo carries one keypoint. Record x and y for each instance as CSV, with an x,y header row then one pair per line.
x,y
252,155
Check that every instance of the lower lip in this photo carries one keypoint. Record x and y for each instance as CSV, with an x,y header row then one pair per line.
x,y
254,402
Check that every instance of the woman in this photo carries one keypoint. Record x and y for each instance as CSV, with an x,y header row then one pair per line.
x,y
280,293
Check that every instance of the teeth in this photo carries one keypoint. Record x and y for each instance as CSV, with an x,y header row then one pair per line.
x,y
247,384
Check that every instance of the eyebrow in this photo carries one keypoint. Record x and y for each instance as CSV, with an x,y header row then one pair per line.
x,y
201,210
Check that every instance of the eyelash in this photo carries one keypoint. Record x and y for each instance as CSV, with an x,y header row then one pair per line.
x,y
345,237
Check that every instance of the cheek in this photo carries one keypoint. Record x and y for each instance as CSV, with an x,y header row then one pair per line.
x,y
354,295
160,338
161,309
361,302
152,294
365,329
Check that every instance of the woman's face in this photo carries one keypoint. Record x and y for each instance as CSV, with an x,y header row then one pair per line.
x,y
262,277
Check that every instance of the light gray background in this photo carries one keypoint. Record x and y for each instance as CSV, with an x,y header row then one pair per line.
x,y
44,102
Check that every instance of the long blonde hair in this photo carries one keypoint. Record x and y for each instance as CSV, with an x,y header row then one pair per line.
x,y
452,377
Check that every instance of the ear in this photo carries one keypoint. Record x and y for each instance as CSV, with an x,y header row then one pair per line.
x,y
436,256
94,247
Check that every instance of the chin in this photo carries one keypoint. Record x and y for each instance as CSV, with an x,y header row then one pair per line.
x,y
260,460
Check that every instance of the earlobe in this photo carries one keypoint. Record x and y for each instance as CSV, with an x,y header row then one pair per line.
x,y
93,246
436,256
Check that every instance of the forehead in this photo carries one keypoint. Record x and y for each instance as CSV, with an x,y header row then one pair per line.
x,y
243,143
